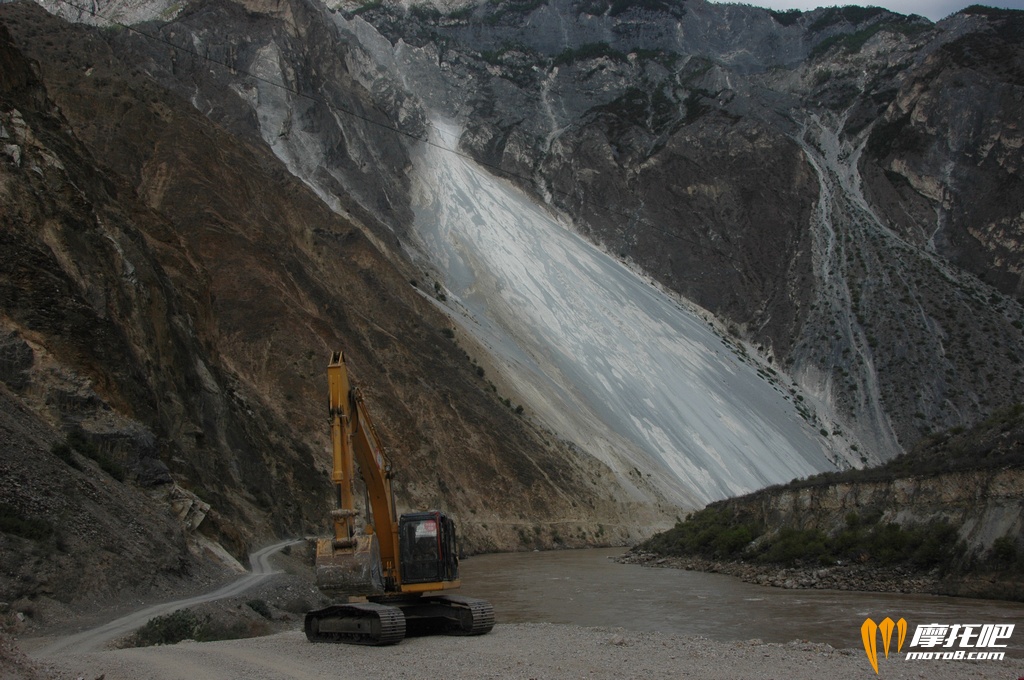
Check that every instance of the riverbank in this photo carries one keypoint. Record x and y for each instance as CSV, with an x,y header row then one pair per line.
x,y
869,578
858,577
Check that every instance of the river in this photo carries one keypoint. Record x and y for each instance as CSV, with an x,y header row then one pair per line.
x,y
587,587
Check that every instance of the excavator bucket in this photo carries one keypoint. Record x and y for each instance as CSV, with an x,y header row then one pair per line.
x,y
349,567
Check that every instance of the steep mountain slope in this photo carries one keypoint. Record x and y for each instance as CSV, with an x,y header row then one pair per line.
x,y
171,294
637,378
838,184
816,180
289,79
763,165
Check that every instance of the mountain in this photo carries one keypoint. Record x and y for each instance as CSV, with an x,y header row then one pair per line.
x,y
595,259
826,182
171,297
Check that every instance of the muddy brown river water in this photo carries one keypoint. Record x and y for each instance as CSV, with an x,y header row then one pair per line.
x,y
587,587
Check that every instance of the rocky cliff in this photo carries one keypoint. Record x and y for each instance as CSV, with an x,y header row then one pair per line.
x,y
826,181
207,197
946,517
748,181
820,181
171,294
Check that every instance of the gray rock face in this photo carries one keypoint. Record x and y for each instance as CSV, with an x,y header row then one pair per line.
x,y
768,166
168,293
838,186
836,183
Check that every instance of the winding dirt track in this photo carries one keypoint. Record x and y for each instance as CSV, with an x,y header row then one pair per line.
x,y
94,639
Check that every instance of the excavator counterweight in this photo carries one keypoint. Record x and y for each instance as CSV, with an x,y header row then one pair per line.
x,y
397,567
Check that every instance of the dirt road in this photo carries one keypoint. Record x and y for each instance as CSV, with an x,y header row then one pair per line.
x,y
96,638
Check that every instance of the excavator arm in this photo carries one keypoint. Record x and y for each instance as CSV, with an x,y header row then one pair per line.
x,y
352,563
354,441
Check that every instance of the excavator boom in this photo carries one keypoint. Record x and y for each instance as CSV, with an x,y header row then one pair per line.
x,y
356,562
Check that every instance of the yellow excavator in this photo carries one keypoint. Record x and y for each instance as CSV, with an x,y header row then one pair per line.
x,y
390,577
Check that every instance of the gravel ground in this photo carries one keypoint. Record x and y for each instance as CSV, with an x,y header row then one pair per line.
x,y
511,651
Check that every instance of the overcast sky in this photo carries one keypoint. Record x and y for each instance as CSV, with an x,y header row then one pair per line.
x,y
933,9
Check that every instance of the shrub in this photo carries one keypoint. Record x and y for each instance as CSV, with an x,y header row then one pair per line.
x,y
718,534
710,532
791,546
588,51
185,624
1004,550
63,451
169,629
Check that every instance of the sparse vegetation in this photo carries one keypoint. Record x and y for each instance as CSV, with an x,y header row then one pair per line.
x,y
369,6
716,533
185,624
169,629
849,14
786,18
735,531
499,8
63,451
588,51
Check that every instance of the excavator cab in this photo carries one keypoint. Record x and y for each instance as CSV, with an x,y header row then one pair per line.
x,y
428,548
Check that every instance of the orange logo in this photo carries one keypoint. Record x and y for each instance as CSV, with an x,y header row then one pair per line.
x,y
869,631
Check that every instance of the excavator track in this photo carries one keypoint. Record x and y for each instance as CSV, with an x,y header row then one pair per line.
x,y
476,616
447,615
360,623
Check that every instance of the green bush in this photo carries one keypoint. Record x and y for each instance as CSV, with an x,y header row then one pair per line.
x,y
1004,550
710,532
588,51
169,629
63,451
792,546
185,624
718,534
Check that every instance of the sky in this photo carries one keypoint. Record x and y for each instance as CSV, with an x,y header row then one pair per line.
x,y
933,9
